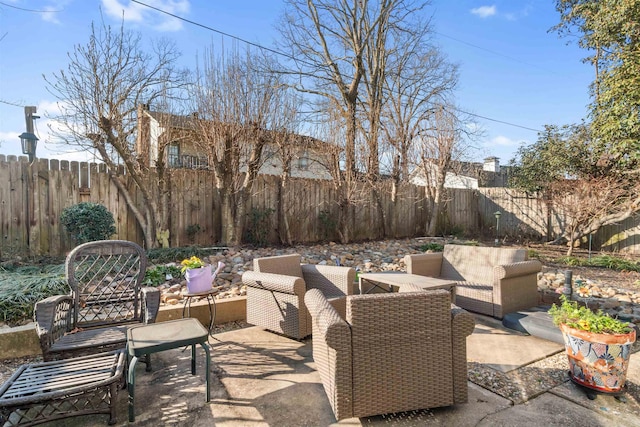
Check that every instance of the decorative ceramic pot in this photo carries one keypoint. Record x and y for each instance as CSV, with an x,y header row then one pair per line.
x,y
598,361
198,279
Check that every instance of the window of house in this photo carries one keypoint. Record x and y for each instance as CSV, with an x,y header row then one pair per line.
x,y
173,155
303,161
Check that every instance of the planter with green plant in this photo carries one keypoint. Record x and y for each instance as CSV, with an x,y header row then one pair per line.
x,y
598,346
198,275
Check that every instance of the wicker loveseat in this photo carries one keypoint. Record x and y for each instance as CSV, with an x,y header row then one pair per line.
x,y
392,352
491,281
276,288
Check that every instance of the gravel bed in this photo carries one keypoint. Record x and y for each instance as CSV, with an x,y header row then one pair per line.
x,y
525,383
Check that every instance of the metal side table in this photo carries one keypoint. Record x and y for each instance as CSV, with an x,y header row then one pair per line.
x,y
156,337
211,302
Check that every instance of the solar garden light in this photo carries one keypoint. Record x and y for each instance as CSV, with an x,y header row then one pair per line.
x,y
497,215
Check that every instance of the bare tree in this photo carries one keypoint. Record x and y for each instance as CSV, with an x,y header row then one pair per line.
x,y
589,203
335,46
240,107
440,148
98,95
419,82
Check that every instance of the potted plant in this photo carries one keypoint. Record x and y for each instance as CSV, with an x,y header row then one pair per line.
x,y
198,275
598,346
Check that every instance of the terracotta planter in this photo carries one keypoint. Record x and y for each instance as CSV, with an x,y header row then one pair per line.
x,y
598,361
198,279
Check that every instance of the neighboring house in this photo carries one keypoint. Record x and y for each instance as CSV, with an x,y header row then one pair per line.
x,y
470,176
185,149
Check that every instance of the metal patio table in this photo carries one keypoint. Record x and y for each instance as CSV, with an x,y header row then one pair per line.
x,y
156,337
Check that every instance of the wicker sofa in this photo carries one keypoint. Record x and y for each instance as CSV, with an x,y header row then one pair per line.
x,y
491,281
392,352
276,288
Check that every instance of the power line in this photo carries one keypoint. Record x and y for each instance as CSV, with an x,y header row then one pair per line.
x,y
220,32
493,52
28,10
259,46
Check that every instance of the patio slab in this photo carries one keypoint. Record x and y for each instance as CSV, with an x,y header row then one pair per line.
x,y
263,379
505,349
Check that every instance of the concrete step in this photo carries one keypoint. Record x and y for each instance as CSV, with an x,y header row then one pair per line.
x,y
535,321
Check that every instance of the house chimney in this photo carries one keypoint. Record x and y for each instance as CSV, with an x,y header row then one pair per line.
x,y
491,164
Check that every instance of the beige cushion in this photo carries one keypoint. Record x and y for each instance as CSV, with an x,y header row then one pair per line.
x,y
475,264
289,265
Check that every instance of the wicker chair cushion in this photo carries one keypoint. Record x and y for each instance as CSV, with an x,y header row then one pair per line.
x,y
475,264
288,265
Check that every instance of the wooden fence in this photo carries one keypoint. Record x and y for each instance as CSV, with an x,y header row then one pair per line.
x,y
33,196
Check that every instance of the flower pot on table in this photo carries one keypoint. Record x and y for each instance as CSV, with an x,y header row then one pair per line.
x,y
598,361
198,279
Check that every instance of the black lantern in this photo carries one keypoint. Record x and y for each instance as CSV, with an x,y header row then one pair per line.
x,y
29,143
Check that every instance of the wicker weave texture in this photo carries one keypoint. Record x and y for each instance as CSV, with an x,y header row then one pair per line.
x,y
491,281
275,292
105,278
407,351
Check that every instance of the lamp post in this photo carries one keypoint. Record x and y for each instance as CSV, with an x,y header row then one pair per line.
x,y
497,215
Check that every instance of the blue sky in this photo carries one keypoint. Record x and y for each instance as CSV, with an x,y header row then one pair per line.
x,y
512,69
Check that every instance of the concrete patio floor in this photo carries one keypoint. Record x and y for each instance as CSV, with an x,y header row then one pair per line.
x,y
263,379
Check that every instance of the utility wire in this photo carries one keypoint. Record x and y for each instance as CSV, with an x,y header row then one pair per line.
x,y
28,10
308,63
197,24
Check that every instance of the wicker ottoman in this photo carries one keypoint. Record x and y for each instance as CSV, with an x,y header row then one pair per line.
x,y
41,392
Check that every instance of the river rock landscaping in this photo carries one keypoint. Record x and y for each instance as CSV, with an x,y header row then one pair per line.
x,y
388,256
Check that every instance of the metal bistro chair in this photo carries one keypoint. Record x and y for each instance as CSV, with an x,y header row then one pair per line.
x,y
106,298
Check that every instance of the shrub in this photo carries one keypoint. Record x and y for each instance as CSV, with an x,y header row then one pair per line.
x,y
257,232
87,221
155,276
434,247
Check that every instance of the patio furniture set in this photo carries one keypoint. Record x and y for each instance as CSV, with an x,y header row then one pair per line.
x,y
92,339
417,321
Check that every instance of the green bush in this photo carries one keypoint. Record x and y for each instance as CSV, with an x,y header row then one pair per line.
x,y
155,276
87,222
164,255
602,261
258,226
434,247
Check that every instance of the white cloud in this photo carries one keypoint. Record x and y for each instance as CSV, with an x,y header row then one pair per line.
x,y
484,11
53,11
502,141
134,12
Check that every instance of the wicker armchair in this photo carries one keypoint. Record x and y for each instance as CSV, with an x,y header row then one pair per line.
x,y
393,352
106,297
276,288
491,281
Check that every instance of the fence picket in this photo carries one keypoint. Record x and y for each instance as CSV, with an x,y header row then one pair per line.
x,y
49,186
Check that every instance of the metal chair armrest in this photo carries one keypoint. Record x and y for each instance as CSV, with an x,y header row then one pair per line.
x,y
53,317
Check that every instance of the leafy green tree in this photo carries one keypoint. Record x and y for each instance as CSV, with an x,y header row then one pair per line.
x,y
576,177
610,30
